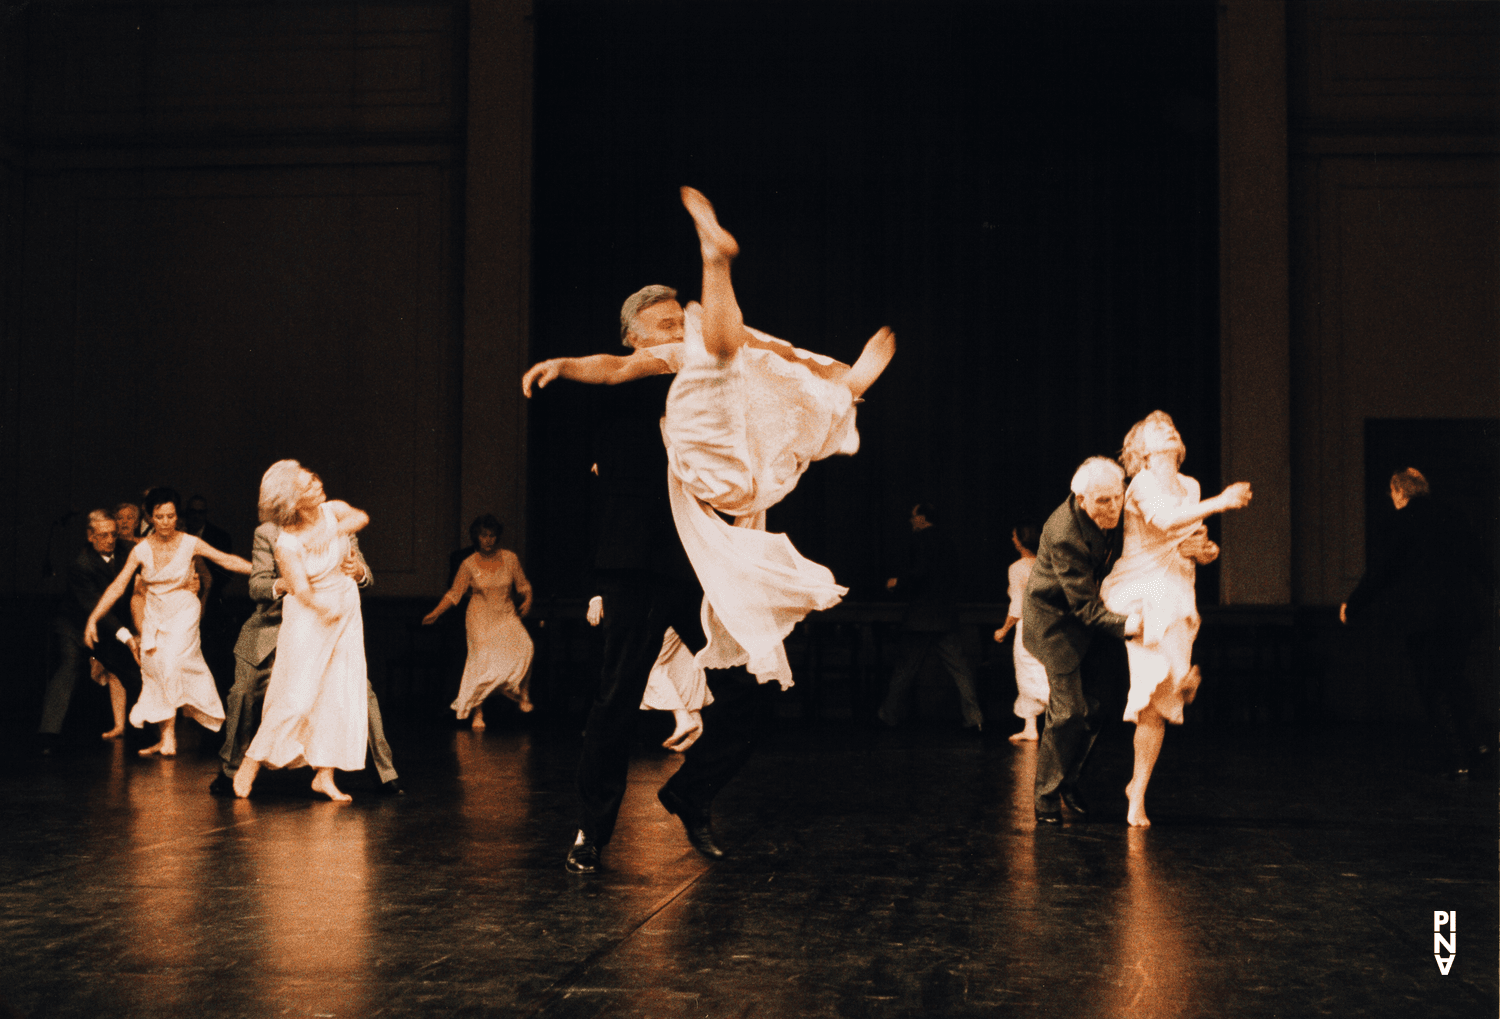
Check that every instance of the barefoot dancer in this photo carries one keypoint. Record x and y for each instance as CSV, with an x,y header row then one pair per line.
x,y
316,707
1031,675
173,673
500,649
1164,537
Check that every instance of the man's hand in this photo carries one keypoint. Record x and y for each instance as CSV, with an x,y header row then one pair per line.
x,y
595,613
279,588
193,581
135,649
1198,548
351,567
540,374
1344,613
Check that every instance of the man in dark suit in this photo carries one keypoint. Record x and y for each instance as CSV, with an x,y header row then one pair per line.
x,y
255,654
91,571
646,584
1062,616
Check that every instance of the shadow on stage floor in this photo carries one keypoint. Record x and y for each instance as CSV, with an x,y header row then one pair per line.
x,y
1290,872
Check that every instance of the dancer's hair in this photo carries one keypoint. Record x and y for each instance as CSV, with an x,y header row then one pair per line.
x,y
160,497
639,302
280,493
1133,454
99,516
487,522
1029,537
1410,482
1095,471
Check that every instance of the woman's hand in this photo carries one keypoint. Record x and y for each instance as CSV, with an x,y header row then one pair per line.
x,y
540,374
1236,496
431,617
90,633
689,728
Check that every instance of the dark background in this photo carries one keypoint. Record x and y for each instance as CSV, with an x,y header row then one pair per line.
x,y
1024,192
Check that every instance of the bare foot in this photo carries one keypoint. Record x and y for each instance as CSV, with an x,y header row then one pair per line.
x,y
714,241
1190,685
148,751
114,733
244,778
1135,814
879,349
1022,737
478,724
323,783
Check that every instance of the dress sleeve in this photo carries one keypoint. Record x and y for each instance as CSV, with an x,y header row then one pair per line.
x,y
461,580
1017,590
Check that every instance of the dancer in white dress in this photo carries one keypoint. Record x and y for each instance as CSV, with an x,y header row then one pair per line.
x,y
676,683
173,673
745,416
1031,675
316,711
1164,539
500,649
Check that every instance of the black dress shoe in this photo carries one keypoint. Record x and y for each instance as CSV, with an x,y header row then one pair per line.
x,y
583,858
696,823
222,785
392,788
1049,817
1076,804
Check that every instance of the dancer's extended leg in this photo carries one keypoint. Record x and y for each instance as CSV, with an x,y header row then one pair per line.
x,y
723,324
1150,728
879,349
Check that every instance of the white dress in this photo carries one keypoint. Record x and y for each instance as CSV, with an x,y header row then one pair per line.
x,y
677,681
500,649
739,434
316,711
1031,676
1156,580
173,672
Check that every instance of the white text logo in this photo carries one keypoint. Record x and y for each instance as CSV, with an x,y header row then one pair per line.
x,y
1444,943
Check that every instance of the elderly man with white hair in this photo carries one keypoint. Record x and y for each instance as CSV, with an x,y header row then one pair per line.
x,y
1062,615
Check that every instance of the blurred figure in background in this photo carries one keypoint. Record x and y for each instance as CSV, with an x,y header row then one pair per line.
x,y
1031,677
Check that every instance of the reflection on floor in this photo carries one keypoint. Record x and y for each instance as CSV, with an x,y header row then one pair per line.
x,y
873,873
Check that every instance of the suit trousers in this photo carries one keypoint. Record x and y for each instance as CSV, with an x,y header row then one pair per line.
x,y
918,645
242,718
1074,716
1437,660
73,663
638,608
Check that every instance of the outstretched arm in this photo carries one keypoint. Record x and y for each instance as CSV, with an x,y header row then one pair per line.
x,y
1236,496
232,563
111,595
596,369
452,597
350,520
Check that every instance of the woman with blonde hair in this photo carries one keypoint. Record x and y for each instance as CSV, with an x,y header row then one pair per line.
x,y
1165,540
173,673
316,707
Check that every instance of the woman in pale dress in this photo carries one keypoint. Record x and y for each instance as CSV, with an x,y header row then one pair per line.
x,y
746,415
500,649
173,673
1031,676
316,711
1165,540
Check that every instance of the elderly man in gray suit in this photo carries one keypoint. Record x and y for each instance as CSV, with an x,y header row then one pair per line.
x,y
255,653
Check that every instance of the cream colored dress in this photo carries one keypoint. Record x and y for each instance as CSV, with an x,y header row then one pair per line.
x,y
316,711
739,434
173,672
1156,580
500,649
1031,676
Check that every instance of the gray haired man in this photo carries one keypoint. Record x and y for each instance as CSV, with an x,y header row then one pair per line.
x,y
255,654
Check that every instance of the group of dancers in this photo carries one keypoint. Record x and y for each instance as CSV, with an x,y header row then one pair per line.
x,y
694,607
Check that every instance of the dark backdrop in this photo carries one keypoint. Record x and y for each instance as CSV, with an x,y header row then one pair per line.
x,y
1025,193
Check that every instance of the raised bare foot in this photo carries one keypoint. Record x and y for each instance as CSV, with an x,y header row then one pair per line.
x,y
323,783
1135,814
478,724
879,349
114,733
713,240
1023,737
148,751
244,778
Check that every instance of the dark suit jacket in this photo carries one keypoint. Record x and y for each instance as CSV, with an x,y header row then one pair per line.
x,y
87,576
930,582
633,521
1426,576
1062,612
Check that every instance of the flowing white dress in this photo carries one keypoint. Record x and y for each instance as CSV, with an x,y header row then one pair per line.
x,y
739,433
316,711
500,649
1031,676
1156,580
173,672
677,681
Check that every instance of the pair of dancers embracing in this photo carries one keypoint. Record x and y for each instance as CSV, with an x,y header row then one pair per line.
x,y
745,416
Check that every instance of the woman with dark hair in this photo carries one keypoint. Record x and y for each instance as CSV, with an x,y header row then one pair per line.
x,y
500,649
1031,675
173,673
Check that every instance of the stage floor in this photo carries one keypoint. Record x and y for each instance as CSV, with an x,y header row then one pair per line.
x,y
873,873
